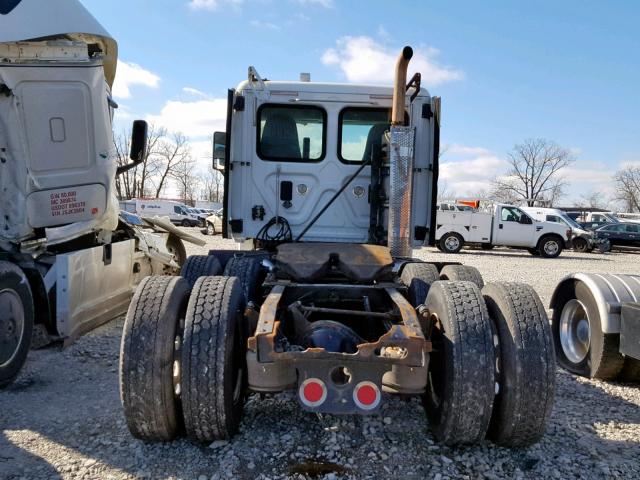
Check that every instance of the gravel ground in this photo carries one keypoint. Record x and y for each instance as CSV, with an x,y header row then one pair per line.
x,y
63,419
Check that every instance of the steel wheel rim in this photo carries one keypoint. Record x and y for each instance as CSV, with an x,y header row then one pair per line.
x,y
551,247
12,325
452,243
210,229
575,331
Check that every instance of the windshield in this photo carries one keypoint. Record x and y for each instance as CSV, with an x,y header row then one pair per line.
x,y
570,221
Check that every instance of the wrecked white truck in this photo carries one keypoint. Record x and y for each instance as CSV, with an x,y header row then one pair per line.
x,y
68,260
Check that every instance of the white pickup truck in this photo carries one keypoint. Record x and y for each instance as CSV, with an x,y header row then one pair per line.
x,y
504,225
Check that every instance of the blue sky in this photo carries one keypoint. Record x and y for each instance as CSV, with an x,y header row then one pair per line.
x,y
567,71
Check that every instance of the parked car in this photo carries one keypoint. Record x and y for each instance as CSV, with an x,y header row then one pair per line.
x,y
620,234
213,224
593,220
582,239
199,215
178,213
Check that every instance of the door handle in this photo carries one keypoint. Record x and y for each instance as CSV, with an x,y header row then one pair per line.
x,y
500,226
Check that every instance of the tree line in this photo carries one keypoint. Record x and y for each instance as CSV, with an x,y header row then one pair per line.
x,y
168,166
535,176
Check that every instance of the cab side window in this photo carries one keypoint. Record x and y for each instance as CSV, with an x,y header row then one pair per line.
x,y
510,214
177,210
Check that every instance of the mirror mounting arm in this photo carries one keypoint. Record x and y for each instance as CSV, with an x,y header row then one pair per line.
x,y
138,146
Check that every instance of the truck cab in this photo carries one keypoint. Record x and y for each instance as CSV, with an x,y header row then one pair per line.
x,y
292,146
68,260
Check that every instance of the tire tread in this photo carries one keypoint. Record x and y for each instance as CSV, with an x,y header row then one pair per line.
x,y
207,345
524,402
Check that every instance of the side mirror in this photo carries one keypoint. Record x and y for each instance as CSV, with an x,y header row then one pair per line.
x,y
524,220
138,141
138,150
219,150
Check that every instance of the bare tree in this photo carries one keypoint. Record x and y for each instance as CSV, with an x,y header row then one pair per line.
x,y
212,186
534,172
137,182
444,191
170,154
185,179
592,199
628,187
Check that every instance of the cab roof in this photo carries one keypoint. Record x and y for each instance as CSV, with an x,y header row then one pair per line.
x,y
323,87
33,20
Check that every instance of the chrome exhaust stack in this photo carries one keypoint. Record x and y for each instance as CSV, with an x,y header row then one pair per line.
x,y
401,143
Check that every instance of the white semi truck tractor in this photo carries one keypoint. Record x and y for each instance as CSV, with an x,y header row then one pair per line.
x,y
330,187
68,260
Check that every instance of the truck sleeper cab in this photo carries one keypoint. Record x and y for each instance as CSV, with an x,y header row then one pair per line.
x,y
68,261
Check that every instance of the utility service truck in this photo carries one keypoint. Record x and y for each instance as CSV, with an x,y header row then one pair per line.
x,y
330,187
68,260
503,225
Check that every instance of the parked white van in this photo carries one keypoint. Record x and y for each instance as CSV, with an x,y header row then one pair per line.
x,y
582,240
177,212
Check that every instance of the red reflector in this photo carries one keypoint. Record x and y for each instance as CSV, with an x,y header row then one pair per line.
x,y
366,395
313,392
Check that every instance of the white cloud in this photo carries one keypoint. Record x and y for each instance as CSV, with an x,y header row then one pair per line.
x,y
363,60
196,120
467,170
211,4
195,92
129,74
261,24
319,3
456,149
588,172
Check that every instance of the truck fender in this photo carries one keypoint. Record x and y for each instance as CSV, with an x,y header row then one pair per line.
x,y
609,292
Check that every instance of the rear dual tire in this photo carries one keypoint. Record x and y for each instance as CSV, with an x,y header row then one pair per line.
x,y
525,370
462,273
182,359
460,382
147,358
214,374
492,371
198,266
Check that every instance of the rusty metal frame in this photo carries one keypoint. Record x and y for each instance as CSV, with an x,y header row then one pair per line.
x,y
407,334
